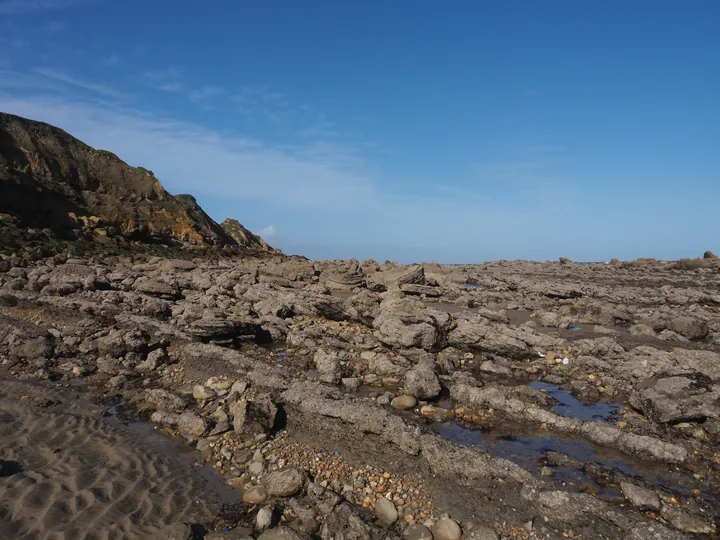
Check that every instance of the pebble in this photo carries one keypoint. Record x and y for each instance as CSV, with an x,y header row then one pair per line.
x,y
201,392
256,468
256,495
403,402
386,511
417,532
446,529
263,520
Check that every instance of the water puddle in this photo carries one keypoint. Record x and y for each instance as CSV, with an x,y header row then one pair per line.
x,y
470,286
570,407
531,452
155,441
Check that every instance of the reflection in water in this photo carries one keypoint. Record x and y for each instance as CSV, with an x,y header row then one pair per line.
x,y
572,408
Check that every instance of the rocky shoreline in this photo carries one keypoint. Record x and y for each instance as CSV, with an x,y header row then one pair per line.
x,y
346,399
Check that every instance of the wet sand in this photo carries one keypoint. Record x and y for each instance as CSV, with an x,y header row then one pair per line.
x,y
79,474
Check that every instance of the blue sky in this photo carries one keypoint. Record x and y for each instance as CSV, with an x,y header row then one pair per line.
x,y
456,131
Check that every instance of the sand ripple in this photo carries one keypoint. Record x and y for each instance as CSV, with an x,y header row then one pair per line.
x,y
85,477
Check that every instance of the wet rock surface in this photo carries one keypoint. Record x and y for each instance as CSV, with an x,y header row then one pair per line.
x,y
348,399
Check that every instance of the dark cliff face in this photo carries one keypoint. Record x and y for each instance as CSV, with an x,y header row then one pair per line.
x,y
51,180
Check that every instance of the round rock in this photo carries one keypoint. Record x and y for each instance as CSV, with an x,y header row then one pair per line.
x,y
386,511
446,529
256,495
417,532
280,533
404,402
284,483
483,533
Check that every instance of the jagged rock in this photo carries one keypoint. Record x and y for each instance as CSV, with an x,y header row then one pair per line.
x,y
304,518
347,278
685,521
709,255
416,276
643,498
419,290
244,237
344,522
154,287
407,323
689,327
220,329
676,399
253,416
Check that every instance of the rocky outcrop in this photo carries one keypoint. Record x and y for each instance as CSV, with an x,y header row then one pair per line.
x,y
244,237
53,182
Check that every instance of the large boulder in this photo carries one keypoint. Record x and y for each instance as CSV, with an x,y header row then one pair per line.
x,y
689,327
677,399
408,323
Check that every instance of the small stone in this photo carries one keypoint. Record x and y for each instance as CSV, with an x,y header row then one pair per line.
x,y
218,383
404,402
446,529
256,495
417,532
546,471
256,468
201,392
284,483
640,497
483,533
386,511
264,517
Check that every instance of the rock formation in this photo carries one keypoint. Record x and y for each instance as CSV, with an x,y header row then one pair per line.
x,y
52,182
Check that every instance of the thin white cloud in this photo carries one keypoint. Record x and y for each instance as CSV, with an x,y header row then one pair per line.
x,y
165,80
267,232
72,81
111,60
206,96
188,158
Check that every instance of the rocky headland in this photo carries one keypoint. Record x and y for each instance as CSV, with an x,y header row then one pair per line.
x,y
156,383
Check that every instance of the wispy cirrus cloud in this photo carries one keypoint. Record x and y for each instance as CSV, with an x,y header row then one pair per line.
x,y
67,79
16,7
267,232
189,158
111,60
165,79
206,96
